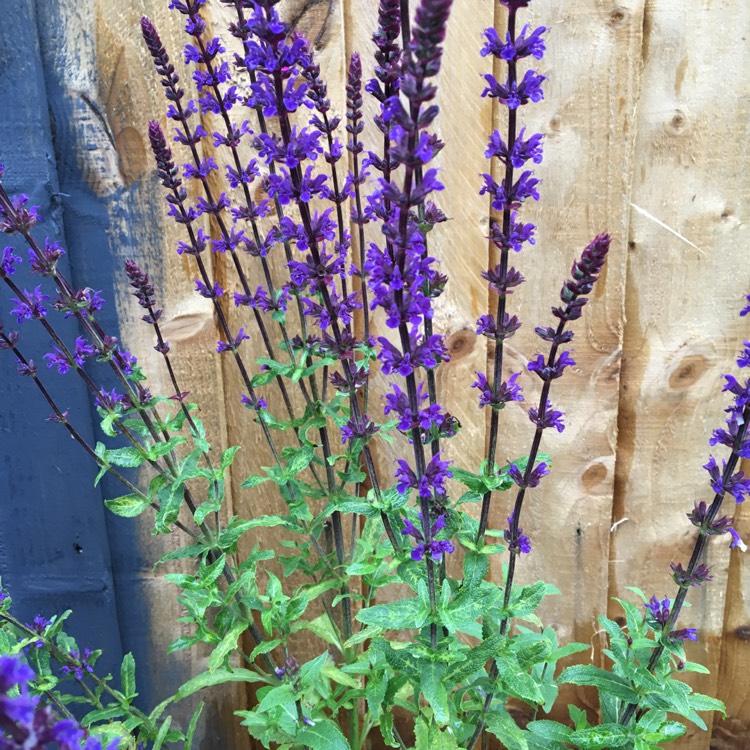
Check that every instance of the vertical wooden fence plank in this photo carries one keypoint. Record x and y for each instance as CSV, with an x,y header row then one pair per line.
x,y
587,118
460,244
685,285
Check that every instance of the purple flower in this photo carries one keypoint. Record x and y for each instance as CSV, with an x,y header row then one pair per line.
x,y
684,634
435,548
80,666
29,724
548,418
736,485
432,482
515,49
204,291
515,94
111,400
509,391
7,262
659,609
517,540
541,470
254,402
522,150
515,237
683,579
223,346
555,370
362,428
20,217
699,517
31,306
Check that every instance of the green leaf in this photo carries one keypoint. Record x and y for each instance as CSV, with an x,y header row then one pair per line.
x,y
325,735
475,570
601,737
476,658
227,457
193,726
408,613
281,695
527,599
226,646
501,724
253,481
700,702
588,674
432,684
127,506
218,677
517,681
128,458
550,730
160,449
127,676
300,460
162,734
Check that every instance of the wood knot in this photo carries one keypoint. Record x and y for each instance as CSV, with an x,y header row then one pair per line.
x,y
678,123
743,632
594,475
461,343
132,154
688,371
617,17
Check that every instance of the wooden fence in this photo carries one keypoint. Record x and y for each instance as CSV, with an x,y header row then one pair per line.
x,y
645,121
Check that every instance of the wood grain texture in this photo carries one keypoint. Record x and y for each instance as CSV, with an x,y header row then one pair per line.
x,y
685,282
460,244
587,117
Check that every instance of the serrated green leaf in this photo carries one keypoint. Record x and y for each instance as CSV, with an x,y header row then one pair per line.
x,y
517,681
227,457
325,735
588,674
129,457
253,481
127,676
700,702
501,724
209,679
226,646
408,613
432,684
162,734
160,449
193,726
550,730
601,737
476,658
127,506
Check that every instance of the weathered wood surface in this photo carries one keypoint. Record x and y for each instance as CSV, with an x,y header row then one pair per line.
x,y
645,117
686,273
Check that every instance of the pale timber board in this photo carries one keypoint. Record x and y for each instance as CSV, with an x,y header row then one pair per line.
x,y
460,244
587,118
686,277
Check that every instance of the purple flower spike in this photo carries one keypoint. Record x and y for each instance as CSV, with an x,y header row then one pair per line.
x,y
736,485
534,478
31,306
659,609
518,542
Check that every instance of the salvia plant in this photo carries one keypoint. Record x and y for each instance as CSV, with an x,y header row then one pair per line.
x,y
352,227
